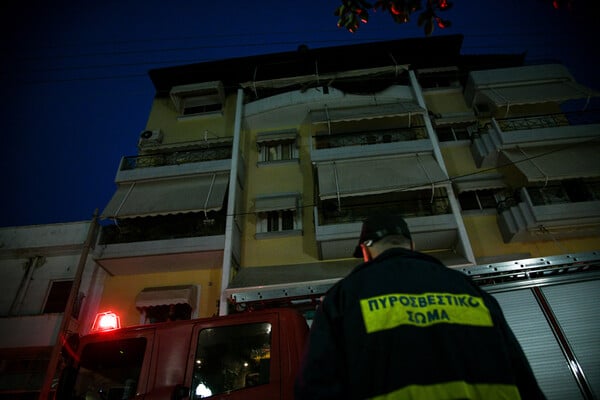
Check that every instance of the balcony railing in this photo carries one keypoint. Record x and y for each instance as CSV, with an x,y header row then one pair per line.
x,y
549,120
164,228
176,158
330,213
325,141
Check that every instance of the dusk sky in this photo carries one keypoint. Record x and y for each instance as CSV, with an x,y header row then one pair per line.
x,y
76,93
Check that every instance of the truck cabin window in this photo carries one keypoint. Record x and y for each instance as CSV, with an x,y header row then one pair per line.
x,y
231,358
110,370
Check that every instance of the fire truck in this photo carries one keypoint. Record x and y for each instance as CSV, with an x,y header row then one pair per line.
x,y
550,303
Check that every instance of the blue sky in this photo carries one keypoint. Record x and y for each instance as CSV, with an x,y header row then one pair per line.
x,y
76,93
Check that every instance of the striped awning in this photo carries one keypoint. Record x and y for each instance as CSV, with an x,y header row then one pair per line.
x,y
365,112
167,295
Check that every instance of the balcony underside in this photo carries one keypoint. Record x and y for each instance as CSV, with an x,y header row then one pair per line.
x,y
436,234
162,255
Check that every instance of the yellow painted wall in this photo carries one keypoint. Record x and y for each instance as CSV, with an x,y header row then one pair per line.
x,y
273,179
164,116
120,290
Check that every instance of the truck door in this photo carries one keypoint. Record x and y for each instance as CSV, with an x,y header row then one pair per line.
x,y
236,358
112,367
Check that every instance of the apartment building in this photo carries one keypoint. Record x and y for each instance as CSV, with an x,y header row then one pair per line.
x,y
41,265
253,176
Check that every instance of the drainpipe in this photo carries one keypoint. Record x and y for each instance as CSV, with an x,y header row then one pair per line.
x,y
230,233
67,316
32,264
437,153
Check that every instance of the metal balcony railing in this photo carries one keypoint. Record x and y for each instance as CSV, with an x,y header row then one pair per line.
x,y
163,228
325,141
176,158
330,214
549,120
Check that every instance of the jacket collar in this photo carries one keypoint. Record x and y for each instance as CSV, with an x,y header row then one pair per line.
x,y
400,252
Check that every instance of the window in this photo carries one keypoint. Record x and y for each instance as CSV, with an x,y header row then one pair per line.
x,y
198,99
110,369
231,358
277,221
277,214
164,313
277,152
58,295
451,133
277,146
480,199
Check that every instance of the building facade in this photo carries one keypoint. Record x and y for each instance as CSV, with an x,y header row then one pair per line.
x,y
253,176
40,267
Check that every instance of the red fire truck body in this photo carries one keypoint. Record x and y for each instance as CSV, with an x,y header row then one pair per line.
x,y
252,355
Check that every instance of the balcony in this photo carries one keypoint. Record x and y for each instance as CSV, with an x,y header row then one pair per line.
x,y
558,210
430,220
168,242
164,227
181,159
550,129
504,88
370,143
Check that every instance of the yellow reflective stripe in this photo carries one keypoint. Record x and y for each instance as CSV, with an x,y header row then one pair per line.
x,y
453,391
392,310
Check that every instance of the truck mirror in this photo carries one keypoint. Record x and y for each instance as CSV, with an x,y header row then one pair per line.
x,y
180,392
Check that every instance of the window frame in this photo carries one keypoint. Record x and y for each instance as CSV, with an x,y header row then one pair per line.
x,y
265,219
258,391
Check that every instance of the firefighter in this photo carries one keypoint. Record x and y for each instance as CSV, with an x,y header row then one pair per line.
x,y
401,325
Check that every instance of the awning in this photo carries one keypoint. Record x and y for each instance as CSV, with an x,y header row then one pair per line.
x,y
168,196
381,175
278,136
197,94
481,181
535,93
167,295
541,164
365,112
272,203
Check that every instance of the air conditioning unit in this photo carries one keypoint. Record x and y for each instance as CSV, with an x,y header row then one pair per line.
x,y
150,138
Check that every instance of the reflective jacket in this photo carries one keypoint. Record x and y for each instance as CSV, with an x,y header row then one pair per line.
x,y
404,326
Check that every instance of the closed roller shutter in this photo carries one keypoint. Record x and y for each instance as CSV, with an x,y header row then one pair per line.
x,y
539,344
575,306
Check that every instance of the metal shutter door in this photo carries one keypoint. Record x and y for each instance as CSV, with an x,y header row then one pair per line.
x,y
575,306
541,348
